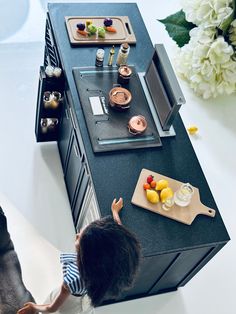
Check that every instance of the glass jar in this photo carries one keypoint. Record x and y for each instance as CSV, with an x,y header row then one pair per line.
x,y
123,54
183,195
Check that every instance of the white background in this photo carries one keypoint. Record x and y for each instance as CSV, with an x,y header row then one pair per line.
x,y
32,190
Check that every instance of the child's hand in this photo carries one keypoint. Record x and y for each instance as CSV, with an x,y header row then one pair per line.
x,y
29,308
32,308
116,207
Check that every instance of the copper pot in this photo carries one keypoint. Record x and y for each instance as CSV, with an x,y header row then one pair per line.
x,y
124,74
137,125
120,98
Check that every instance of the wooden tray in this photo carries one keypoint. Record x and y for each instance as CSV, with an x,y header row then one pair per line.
x,y
185,215
121,23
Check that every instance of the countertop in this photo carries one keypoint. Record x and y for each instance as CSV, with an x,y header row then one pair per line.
x,y
115,174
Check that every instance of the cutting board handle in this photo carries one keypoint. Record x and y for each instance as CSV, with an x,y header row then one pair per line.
x,y
204,210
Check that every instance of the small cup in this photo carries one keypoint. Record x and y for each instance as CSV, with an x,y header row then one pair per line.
x,y
48,124
51,100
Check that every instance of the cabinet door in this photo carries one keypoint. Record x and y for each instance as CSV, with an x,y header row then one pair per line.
x,y
74,167
65,131
81,194
151,269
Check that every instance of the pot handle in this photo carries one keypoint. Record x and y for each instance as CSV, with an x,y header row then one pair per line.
x,y
133,133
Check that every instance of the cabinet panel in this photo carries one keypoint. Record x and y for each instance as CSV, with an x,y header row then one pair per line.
x,y
74,167
151,268
89,210
182,266
81,193
65,131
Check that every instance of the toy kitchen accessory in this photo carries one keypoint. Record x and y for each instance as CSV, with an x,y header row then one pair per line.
x,y
119,30
183,214
51,100
137,125
124,74
120,98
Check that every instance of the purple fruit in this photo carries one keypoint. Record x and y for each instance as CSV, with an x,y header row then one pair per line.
x,y
81,26
108,22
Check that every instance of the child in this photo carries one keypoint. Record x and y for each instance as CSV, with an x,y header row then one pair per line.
x,y
105,264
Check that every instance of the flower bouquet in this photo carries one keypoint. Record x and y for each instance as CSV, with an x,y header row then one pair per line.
x,y
205,32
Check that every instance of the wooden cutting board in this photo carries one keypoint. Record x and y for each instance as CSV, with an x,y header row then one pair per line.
x,y
185,215
124,32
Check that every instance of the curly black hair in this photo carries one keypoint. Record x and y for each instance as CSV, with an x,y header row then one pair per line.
x,y
108,259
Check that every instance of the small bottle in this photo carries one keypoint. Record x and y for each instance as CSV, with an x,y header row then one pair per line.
x,y
99,57
111,56
123,54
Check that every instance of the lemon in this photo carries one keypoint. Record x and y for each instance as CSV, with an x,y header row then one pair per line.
x,y
161,184
166,193
152,196
192,129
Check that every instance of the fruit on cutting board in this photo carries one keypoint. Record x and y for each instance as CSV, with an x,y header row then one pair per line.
x,y
161,184
101,32
153,184
92,29
146,186
81,26
166,193
108,22
149,179
152,196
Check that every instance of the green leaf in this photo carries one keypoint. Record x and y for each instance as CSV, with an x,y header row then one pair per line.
x,y
178,28
226,22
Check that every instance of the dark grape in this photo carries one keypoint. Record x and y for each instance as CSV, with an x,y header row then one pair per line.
x,y
81,26
108,22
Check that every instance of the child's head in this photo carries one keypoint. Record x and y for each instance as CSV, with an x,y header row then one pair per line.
x,y
108,259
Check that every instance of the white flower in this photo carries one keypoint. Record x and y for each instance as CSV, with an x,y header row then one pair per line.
x,y
207,66
209,12
232,33
220,51
202,34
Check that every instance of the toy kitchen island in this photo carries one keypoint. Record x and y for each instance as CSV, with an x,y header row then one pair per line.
x,y
102,159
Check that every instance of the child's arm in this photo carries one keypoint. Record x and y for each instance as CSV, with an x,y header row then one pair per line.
x,y
32,308
116,207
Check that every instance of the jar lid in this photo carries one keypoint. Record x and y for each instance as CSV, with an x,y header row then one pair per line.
x,y
120,96
137,124
125,71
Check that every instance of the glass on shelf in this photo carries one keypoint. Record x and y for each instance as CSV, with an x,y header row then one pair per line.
x,y
183,195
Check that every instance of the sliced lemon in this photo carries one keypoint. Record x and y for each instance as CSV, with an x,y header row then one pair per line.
x,y
161,184
166,193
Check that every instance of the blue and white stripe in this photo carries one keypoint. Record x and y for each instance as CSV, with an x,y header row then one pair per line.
x,y
71,274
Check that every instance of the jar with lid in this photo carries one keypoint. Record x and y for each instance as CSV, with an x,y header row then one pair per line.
x,y
123,54
99,57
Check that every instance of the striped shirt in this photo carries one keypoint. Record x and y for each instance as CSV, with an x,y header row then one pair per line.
x,y
71,274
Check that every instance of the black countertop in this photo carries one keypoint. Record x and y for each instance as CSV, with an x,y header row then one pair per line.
x,y
115,174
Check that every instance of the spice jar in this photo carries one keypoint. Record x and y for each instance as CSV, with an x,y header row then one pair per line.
x,y
99,57
123,54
